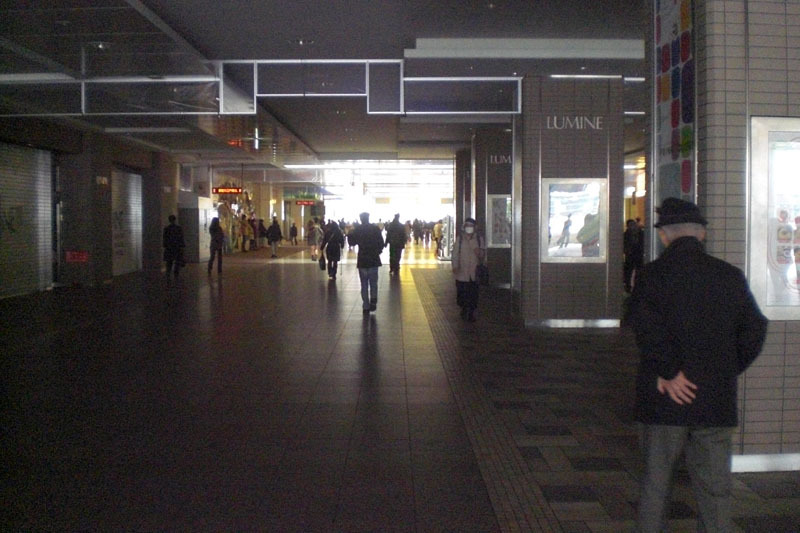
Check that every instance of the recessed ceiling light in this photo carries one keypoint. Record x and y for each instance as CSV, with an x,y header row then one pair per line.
x,y
303,42
99,45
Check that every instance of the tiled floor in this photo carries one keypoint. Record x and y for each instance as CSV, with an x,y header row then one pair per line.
x,y
264,400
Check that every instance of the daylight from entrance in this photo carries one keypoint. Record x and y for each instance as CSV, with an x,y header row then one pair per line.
x,y
414,189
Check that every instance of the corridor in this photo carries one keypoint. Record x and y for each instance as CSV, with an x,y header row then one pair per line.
x,y
263,400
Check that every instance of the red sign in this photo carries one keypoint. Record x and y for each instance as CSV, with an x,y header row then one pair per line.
x,y
226,190
77,256
305,202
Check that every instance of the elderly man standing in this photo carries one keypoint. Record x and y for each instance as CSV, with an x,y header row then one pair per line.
x,y
697,327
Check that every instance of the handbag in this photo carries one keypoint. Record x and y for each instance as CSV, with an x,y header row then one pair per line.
x,y
322,262
482,274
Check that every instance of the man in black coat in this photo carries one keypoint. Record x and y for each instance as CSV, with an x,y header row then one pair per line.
x,y
396,241
369,239
697,327
173,246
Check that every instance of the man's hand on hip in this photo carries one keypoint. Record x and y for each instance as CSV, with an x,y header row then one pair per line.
x,y
680,389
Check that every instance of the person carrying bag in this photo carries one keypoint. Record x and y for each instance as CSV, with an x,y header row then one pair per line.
x,y
468,268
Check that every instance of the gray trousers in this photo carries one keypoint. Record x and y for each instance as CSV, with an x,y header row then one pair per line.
x,y
708,459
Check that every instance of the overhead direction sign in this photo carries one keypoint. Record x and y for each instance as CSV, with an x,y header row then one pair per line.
x,y
226,190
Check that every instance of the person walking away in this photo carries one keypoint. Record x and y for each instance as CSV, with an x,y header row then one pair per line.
x,y
217,243
396,241
253,232
262,233
314,238
245,232
633,248
437,236
332,244
173,246
370,243
467,255
697,328
293,234
274,236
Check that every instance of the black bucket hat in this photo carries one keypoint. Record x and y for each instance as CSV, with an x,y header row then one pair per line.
x,y
677,211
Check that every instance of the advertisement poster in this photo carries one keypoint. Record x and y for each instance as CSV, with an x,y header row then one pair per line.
x,y
500,221
674,100
783,229
575,213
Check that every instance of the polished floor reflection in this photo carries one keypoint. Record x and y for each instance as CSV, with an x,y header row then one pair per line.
x,y
263,399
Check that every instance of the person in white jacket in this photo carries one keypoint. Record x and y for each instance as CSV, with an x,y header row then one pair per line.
x,y
467,255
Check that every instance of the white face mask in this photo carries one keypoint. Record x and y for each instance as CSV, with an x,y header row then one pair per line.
x,y
469,229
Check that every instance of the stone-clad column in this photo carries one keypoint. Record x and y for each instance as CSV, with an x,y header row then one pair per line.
x,y
572,130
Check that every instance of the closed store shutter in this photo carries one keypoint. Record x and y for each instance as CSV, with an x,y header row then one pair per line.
x,y
126,233
26,254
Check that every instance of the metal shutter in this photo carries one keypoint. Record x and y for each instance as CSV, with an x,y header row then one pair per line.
x,y
26,253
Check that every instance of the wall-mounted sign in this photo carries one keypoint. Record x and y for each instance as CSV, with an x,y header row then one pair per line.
x,y
577,122
76,256
226,190
305,202
499,159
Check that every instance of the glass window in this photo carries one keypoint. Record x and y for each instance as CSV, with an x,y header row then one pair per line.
x,y
774,261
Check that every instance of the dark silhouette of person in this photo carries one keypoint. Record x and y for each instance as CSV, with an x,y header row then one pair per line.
x,y
332,244
369,239
173,246
274,236
633,248
697,327
217,243
396,241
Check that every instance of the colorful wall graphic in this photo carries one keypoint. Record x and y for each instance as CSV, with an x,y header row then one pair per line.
x,y
675,100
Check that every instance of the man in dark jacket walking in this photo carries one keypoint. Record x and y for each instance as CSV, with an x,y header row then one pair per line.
x,y
396,241
274,236
697,327
369,240
173,246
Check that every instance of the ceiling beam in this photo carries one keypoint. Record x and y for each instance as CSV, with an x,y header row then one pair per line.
x,y
159,23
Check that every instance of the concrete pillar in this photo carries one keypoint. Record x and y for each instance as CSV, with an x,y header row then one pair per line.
x,y
493,181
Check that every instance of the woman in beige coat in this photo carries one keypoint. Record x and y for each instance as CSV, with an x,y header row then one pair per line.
x,y
467,255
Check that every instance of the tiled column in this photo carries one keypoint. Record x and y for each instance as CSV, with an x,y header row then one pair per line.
x,y
748,64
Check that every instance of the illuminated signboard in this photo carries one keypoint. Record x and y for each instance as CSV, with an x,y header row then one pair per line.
x,y
305,202
226,190
76,256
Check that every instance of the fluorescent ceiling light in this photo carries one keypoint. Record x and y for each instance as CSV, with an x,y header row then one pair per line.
x,y
37,77
527,49
151,129
629,79
586,76
635,113
367,165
